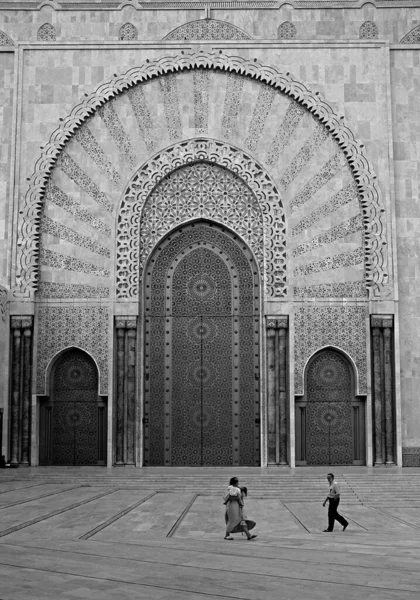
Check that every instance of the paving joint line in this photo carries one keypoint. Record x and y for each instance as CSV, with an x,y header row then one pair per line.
x,y
295,517
239,556
384,512
181,517
39,497
109,522
24,487
52,514
239,572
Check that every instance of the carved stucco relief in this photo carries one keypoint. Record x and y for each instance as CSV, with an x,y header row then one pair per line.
x,y
329,126
337,326
246,185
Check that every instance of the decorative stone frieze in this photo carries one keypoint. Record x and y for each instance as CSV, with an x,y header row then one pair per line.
x,y
5,40
368,31
62,327
286,31
207,29
3,302
375,255
46,33
128,32
336,326
238,165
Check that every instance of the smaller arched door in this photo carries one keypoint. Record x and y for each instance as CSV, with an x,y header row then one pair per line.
x,y
329,418
73,417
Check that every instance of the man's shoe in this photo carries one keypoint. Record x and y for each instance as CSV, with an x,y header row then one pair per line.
x,y
326,531
345,526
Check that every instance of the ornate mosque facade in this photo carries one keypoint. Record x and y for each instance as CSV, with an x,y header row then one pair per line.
x,y
209,233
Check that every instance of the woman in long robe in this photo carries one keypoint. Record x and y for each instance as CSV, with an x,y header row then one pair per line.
x,y
234,517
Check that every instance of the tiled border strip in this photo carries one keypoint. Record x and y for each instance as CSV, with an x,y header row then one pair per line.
x,y
38,497
181,517
54,513
112,520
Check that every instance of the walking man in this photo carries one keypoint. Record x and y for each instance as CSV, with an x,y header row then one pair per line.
x,y
334,499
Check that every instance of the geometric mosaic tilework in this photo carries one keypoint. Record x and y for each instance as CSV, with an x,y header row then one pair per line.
x,y
337,326
201,80
5,40
156,108
261,111
128,32
207,191
147,179
88,141
286,31
171,104
142,114
312,145
355,289
207,29
46,33
48,289
325,174
116,129
56,196
342,197
339,231
412,37
234,89
74,172
411,456
346,259
368,31
285,131
49,258
57,229
62,327
3,302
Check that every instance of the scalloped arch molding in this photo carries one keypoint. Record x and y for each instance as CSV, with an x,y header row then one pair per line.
x,y
335,222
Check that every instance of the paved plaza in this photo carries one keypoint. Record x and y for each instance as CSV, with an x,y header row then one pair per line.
x,y
158,534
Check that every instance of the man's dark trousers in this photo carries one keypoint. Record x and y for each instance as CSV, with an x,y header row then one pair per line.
x,y
333,514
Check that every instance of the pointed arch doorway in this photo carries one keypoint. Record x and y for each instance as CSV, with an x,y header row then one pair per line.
x,y
202,405
330,418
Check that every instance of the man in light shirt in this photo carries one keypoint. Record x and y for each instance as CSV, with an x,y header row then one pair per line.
x,y
334,499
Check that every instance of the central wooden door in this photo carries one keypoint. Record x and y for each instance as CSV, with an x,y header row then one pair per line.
x,y
201,357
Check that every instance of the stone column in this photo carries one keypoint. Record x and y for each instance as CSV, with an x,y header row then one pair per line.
x,y
20,410
283,325
119,422
271,391
131,389
383,389
277,389
26,393
389,389
126,328
15,404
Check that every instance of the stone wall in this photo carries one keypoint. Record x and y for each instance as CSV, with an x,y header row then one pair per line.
x,y
336,54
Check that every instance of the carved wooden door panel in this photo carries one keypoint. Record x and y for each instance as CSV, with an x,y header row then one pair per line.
x,y
201,357
329,420
73,421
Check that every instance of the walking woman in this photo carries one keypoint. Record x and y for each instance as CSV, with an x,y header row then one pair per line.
x,y
234,516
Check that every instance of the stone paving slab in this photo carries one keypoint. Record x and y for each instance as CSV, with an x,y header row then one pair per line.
x,y
105,543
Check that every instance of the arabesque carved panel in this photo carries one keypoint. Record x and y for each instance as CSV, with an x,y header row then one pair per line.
x,y
238,193
338,326
64,327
